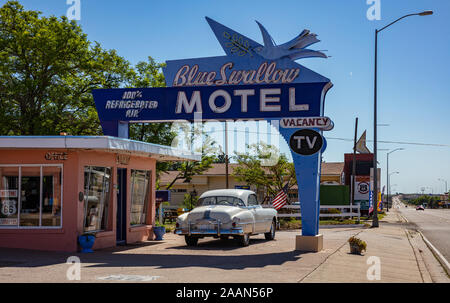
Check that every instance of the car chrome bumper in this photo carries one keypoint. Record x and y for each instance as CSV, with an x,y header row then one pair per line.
x,y
210,232
214,230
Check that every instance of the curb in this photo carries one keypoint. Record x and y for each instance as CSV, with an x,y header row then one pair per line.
x,y
436,252
403,217
341,226
328,227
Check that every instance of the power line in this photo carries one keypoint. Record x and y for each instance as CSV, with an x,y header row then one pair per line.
x,y
343,139
395,142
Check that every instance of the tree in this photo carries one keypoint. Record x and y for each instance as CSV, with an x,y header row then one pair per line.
x,y
47,71
188,169
148,74
265,168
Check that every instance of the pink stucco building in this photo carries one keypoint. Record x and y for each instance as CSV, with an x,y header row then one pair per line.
x,y
53,189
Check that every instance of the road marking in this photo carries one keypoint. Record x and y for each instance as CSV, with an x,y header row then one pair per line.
x,y
133,278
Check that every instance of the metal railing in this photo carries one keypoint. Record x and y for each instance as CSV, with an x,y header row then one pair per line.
x,y
345,211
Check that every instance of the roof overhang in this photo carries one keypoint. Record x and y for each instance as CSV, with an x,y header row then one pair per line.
x,y
101,143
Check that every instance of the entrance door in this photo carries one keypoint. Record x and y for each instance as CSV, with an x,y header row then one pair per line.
x,y
121,231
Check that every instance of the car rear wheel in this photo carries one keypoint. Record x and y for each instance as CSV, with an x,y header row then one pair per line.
x,y
191,241
244,240
271,234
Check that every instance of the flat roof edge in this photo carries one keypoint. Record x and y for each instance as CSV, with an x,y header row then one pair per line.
x,y
95,142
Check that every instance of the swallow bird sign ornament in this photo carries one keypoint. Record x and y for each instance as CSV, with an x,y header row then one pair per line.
x,y
252,80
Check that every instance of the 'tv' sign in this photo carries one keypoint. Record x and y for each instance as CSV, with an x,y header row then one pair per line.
x,y
306,142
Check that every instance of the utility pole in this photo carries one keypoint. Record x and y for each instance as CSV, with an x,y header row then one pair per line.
x,y
388,188
445,181
375,172
352,200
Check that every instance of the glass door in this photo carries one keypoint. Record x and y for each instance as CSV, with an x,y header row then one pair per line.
x,y
121,231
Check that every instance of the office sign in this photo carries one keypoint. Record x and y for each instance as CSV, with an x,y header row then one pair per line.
x,y
252,81
56,156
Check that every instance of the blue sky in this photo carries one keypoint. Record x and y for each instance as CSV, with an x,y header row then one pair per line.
x,y
414,69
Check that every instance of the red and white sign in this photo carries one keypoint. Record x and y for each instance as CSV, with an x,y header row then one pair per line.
x,y
8,193
362,186
323,123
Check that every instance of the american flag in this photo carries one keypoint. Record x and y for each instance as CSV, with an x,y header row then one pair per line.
x,y
280,199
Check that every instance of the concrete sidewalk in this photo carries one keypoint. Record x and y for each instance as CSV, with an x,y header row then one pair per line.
x,y
401,252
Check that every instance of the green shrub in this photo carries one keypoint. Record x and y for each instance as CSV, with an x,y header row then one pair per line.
x,y
358,242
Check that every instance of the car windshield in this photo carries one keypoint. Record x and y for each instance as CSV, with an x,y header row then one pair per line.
x,y
221,200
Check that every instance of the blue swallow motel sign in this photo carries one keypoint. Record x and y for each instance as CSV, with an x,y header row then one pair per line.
x,y
252,81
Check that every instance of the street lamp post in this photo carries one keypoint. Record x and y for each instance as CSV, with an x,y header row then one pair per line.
x,y
389,186
375,173
387,177
445,184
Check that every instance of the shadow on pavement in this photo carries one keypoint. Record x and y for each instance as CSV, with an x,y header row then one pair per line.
x,y
189,257
218,245
192,260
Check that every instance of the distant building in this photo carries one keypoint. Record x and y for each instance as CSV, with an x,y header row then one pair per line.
x,y
214,178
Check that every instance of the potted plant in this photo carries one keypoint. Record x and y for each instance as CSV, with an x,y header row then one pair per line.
x,y
159,230
357,246
87,241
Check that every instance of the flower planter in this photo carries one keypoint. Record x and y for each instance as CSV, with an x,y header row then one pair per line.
x,y
86,243
357,246
354,249
159,232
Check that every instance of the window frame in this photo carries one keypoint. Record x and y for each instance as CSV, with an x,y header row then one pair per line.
x,y
256,200
19,204
147,195
110,193
240,201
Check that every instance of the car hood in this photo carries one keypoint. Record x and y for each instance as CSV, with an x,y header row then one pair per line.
x,y
216,212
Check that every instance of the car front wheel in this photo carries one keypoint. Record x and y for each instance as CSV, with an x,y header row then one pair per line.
x,y
191,241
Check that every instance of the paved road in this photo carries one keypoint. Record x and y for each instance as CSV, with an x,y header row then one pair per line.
x,y
433,223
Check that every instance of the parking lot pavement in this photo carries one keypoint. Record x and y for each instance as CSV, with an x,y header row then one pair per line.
x,y
171,260
402,255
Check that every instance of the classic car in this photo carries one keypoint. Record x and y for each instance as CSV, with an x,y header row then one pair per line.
x,y
227,213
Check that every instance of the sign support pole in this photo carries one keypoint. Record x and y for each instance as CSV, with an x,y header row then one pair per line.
x,y
227,185
308,194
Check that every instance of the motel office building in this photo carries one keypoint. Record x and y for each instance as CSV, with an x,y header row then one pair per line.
x,y
53,189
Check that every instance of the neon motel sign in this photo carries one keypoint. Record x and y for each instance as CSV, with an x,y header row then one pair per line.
x,y
252,81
